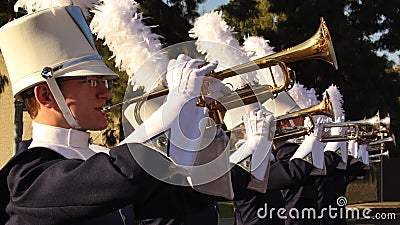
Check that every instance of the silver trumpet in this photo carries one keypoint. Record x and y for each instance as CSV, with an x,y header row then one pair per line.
x,y
365,131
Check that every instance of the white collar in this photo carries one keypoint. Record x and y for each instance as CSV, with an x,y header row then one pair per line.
x,y
70,143
60,136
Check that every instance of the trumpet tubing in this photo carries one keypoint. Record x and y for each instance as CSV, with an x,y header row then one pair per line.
x,y
386,153
384,140
319,46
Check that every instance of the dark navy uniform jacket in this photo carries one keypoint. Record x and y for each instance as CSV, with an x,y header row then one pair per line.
x,y
39,186
298,196
208,216
330,187
334,184
283,174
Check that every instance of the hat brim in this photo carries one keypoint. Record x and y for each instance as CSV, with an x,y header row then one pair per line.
x,y
87,68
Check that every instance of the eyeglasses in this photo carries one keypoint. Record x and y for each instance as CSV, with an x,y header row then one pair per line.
x,y
92,81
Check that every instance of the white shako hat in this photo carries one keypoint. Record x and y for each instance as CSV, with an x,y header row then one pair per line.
x,y
59,38
281,105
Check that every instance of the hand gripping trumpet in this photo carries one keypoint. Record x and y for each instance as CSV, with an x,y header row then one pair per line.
x,y
319,46
282,132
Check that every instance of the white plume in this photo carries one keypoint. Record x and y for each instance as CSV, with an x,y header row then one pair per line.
x,y
304,97
32,6
257,47
133,44
215,39
337,100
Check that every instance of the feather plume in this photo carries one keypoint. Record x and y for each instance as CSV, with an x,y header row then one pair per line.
x,y
257,47
337,101
304,97
215,39
133,44
32,6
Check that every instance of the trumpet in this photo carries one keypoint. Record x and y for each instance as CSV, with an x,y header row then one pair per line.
x,y
319,46
384,140
325,107
386,153
376,158
364,131
282,133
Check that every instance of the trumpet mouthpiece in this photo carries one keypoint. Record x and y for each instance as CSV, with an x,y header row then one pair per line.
x,y
105,108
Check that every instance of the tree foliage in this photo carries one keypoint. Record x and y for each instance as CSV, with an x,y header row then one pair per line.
x,y
187,8
3,82
249,17
5,16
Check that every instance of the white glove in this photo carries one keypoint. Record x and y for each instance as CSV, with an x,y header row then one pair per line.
x,y
352,148
363,154
185,80
314,147
340,147
216,88
260,128
262,171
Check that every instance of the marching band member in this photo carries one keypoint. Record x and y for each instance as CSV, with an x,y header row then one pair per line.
x,y
62,178
284,173
355,165
290,172
332,185
69,178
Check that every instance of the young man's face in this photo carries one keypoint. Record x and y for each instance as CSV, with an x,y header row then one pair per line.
x,y
85,97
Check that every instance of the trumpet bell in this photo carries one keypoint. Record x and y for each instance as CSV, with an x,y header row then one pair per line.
x,y
319,46
373,121
325,107
385,122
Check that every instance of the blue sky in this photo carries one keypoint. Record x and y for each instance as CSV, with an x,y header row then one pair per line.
x,y
209,5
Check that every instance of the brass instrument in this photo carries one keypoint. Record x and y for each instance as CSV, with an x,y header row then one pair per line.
x,y
355,130
385,153
384,140
325,107
284,133
373,121
377,148
367,131
319,46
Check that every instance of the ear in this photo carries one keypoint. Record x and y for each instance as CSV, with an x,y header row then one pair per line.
x,y
43,96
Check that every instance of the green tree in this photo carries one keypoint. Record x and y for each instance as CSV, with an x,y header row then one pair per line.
x,y
249,17
3,82
187,8
5,16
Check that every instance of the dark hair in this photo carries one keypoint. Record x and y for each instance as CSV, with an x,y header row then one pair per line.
x,y
28,97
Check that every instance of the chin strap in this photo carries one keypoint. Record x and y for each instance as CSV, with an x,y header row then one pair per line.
x,y
47,73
